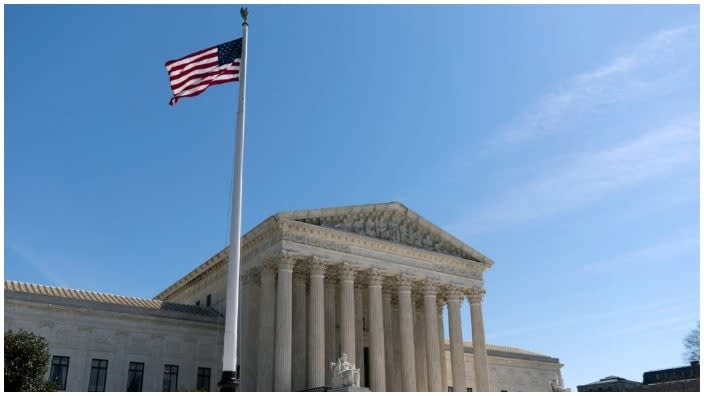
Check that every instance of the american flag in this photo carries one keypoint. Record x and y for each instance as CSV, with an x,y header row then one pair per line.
x,y
194,73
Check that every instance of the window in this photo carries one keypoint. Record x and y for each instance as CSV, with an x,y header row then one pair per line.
x,y
170,378
198,303
450,389
59,371
504,390
135,376
98,374
203,381
469,389
207,301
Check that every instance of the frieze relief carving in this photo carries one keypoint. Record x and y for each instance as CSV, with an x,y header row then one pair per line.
x,y
317,242
389,226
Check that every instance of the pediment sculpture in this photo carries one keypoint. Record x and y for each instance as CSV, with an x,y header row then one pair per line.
x,y
344,373
390,226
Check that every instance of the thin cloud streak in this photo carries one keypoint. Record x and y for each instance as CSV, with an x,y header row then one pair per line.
x,y
38,263
664,307
628,76
680,243
592,176
677,321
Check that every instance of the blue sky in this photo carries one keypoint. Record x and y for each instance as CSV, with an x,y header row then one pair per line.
x,y
561,141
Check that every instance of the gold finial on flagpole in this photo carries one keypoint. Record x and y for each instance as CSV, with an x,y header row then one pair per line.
x,y
244,13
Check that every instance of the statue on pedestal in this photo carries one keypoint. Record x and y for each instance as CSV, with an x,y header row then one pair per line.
x,y
556,387
344,373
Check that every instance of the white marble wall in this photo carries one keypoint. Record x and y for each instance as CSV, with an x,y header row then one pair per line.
x,y
214,284
84,334
523,374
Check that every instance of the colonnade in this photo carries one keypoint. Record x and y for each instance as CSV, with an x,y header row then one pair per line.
x,y
303,312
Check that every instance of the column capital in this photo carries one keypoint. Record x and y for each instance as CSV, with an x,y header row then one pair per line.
x,y
268,265
375,277
317,266
454,294
347,272
387,292
287,261
285,265
429,288
404,282
475,295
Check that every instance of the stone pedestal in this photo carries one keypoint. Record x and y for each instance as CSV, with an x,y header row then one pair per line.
x,y
350,389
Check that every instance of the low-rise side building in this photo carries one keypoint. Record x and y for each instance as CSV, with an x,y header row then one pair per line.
x,y
676,379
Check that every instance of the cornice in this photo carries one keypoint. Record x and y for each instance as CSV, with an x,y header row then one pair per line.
x,y
331,239
391,208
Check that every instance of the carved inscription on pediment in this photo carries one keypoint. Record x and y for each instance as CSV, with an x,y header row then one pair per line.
x,y
394,227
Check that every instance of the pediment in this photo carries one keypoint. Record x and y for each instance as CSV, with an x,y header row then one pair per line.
x,y
392,222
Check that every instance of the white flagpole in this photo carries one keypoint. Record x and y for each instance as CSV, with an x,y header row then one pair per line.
x,y
230,380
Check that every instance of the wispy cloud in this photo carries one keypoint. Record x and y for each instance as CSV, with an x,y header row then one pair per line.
x,y
589,177
633,75
39,263
683,321
662,308
667,249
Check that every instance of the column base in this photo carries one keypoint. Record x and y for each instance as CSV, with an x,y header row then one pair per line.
x,y
350,389
229,381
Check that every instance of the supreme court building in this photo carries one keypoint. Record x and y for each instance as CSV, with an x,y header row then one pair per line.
x,y
370,281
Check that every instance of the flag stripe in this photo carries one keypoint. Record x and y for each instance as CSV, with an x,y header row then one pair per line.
x,y
210,76
197,90
187,58
180,78
177,82
212,61
194,73
194,61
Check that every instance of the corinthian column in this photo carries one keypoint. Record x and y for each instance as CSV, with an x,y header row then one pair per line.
x,y
282,356
265,361
298,380
405,313
347,275
396,380
431,337
388,339
330,324
316,326
359,332
377,366
481,369
456,344
441,336
248,363
419,341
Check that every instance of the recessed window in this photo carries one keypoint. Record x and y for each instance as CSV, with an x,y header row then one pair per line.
x,y
135,376
203,380
450,389
170,378
198,303
469,389
98,375
207,301
59,371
